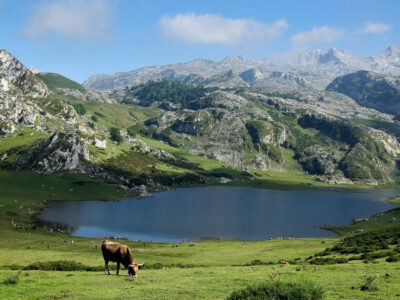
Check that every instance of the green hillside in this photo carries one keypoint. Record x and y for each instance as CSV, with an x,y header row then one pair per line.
x,y
54,81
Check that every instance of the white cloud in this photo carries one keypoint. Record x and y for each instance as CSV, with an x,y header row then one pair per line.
x,y
75,19
375,28
215,29
318,35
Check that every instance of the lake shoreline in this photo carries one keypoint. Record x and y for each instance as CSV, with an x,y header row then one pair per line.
x,y
334,199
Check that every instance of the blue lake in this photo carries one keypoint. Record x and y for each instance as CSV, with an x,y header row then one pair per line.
x,y
240,213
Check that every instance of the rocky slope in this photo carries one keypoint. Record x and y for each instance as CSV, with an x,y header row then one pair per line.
x,y
26,100
370,90
318,133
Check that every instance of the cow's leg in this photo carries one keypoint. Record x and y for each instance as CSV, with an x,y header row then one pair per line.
x,y
118,265
107,271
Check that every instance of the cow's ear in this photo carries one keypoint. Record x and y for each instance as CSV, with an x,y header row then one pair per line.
x,y
140,266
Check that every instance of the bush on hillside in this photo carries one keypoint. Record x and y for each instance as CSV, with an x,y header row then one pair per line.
x,y
277,290
80,109
131,132
12,279
115,135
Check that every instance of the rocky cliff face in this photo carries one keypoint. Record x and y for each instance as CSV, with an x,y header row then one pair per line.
x,y
59,153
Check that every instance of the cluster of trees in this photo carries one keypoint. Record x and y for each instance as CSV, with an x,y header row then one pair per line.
x,y
179,93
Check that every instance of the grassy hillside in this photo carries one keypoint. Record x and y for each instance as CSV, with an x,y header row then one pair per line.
x,y
117,115
54,81
24,136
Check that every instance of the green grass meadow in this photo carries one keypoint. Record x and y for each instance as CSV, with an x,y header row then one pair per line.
x,y
200,270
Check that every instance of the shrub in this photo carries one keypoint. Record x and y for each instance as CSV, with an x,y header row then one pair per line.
x,y
80,109
328,261
302,290
95,118
131,132
258,262
393,258
12,279
356,257
116,135
368,283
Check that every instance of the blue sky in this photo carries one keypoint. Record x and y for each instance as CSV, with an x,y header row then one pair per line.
x,y
79,38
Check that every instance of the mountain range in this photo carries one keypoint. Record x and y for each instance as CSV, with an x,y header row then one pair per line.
x,y
206,122
311,69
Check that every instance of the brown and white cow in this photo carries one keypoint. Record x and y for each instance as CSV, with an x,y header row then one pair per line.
x,y
121,254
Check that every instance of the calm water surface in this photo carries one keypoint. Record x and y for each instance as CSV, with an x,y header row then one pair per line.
x,y
218,212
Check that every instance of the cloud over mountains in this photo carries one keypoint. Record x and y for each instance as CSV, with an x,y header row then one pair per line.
x,y
210,29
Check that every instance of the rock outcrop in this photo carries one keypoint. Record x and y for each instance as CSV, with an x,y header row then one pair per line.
x,y
59,153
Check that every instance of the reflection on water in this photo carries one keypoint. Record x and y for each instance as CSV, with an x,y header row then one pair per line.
x,y
218,212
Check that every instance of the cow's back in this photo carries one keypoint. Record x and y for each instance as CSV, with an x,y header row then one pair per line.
x,y
110,250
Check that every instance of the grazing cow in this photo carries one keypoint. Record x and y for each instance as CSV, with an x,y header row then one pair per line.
x,y
284,262
121,254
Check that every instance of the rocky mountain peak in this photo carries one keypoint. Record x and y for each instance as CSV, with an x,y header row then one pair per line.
x,y
16,76
251,75
10,67
393,49
387,61
391,55
238,63
317,57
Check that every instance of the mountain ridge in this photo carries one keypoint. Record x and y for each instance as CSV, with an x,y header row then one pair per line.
x,y
316,67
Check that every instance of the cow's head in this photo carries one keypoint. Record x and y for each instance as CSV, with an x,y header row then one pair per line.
x,y
133,269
